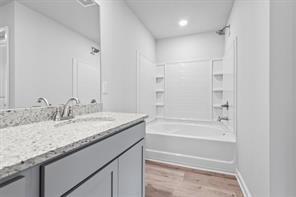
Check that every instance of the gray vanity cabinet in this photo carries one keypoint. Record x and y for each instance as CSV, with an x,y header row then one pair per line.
x,y
131,172
102,183
111,167
75,171
13,188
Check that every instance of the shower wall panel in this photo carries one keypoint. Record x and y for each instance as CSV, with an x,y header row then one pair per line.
x,y
188,90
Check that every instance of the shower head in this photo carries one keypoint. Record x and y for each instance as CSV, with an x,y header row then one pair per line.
x,y
86,3
94,51
221,32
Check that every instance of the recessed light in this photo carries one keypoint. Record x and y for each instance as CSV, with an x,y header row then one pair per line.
x,y
183,23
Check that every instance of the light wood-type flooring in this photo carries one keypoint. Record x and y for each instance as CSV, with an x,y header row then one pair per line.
x,y
163,180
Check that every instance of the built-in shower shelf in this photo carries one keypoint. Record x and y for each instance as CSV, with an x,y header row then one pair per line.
x,y
218,74
217,90
159,105
159,77
217,106
159,91
160,64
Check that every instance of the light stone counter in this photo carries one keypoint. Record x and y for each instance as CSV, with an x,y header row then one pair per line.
x,y
26,146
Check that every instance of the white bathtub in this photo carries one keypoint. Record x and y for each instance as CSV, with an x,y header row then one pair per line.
x,y
206,145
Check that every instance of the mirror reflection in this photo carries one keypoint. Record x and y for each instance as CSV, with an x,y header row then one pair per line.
x,y
49,49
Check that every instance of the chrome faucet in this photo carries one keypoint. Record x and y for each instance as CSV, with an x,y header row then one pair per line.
x,y
43,100
220,118
68,111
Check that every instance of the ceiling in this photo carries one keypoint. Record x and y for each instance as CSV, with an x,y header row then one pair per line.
x,y
84,20
161,17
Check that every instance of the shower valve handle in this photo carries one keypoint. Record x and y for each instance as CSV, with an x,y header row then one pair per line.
x,y
226,105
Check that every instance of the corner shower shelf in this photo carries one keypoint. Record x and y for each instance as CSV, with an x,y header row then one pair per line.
x,y
218,90
218,74
159,91
217,105
160,64
159,77
159,105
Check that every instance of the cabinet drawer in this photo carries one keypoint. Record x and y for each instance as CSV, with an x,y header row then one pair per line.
x,y
13,188
60,176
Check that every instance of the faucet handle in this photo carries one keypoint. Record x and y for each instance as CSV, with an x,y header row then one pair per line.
x,y
57,116
70,112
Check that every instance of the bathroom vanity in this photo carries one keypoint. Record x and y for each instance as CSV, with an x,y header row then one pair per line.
x,y
99,154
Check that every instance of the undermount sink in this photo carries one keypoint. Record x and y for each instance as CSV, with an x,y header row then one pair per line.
x,y
83,120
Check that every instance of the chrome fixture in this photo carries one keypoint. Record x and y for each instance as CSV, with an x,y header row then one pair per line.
x,y
94,50
86,3
93,101
3,35
68,111
43,100
226,105
221,32
57,115
220,118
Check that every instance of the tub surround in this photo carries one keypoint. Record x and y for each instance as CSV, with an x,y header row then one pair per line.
x,y
23,116
29,145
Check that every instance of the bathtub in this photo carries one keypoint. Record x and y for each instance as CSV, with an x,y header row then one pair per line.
x,y
204,145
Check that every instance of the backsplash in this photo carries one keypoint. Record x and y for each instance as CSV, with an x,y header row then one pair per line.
x,y
87,109
16,117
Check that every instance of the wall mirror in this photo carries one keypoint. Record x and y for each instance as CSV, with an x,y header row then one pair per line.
x,y
49,49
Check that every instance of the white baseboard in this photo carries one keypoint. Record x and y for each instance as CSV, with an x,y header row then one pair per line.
x,y
191,161
191,167
242,184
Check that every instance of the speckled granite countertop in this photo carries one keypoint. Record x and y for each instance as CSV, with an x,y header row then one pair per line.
x,y
26,146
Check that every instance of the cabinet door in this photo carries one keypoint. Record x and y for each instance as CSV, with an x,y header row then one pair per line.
x,y
13,188
131,172
100,184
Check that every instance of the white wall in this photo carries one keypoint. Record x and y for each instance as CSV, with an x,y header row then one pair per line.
x,y
294,98
282,103
44,50
6,15
7,19
197,46
122,35
146,87
249,21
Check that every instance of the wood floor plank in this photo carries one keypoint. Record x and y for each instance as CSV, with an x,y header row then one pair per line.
x,y
163,180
